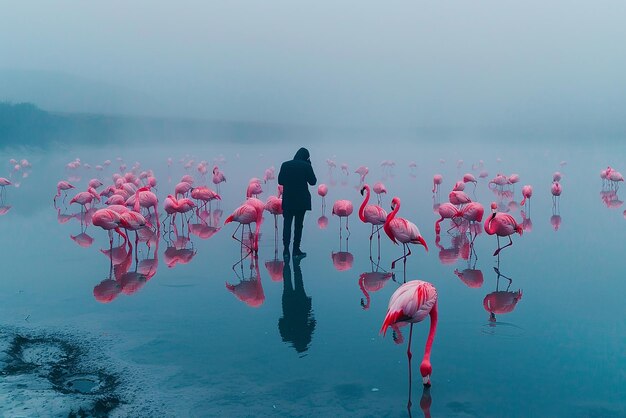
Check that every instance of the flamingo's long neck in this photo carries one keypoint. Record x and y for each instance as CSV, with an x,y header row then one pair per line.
x,y
365,201
387,226
431,334
488,224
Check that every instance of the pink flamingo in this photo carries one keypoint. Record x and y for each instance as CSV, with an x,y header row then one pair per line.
x,y
61,186
270,174
469,178
437,180
500,180
322,222
133,221
473,213
204,194
379,189
95,183
182,189
108,220
322,190
362,172
556,191
527,192
446,211
501,225
173,206
372,214
402,230
254,188
144,198
459,198
343,209
245,215
274,205
557,176
413,302
85,198
218,177
3,183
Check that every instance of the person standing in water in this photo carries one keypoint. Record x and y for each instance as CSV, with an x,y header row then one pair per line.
x,y
295,176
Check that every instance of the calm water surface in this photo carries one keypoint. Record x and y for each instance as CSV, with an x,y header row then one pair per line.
x,y
306,342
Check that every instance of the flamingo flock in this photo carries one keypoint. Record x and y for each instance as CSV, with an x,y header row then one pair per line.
x,y
126,202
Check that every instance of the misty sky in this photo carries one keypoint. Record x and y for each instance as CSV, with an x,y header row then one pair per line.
x,y
344,63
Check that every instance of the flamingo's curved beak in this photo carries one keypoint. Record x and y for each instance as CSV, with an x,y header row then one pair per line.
x,y
426,380
421,241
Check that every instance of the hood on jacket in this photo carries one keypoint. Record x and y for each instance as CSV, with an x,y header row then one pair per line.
x,y
302,154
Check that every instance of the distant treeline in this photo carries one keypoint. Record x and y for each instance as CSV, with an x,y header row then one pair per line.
x,y
27,124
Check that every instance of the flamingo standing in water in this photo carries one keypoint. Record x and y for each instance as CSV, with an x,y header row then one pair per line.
x,y
61,186
372,214
379,189
343,209
109,220
218,177
204,194
173,206
501,225
402,230
556,191
245,215
322,190
362,172
413,302
473,213
437,180
446,211
469,178
274,205
85,198
527,192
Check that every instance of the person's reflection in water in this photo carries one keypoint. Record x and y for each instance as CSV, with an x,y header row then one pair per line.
x,y
297,324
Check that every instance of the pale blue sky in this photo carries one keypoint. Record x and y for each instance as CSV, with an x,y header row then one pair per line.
x,y
338,63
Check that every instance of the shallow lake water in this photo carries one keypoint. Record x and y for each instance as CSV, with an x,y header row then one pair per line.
x,y
207,333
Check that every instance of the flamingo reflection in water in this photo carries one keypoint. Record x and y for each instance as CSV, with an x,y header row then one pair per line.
x,y
180,249
501,301
471,276
342,260
275,266
249,289
373,281
297,324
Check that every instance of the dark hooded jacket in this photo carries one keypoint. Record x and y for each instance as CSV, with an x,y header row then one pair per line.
x,y
296,175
